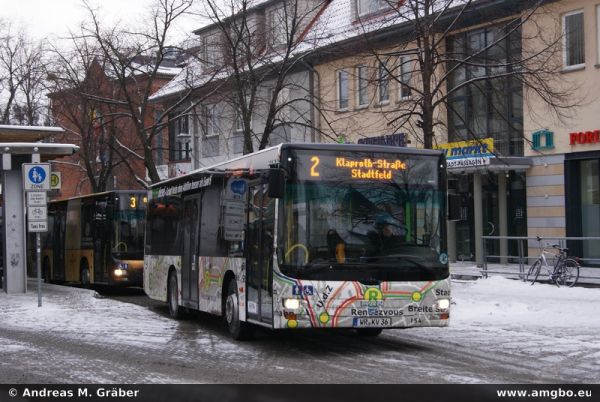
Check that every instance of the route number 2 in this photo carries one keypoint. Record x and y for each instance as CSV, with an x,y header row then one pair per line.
x,y
313,169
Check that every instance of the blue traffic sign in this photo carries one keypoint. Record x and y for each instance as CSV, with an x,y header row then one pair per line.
x,y
36,176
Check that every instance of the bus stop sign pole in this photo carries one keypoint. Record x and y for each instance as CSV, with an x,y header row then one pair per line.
x,y
36,181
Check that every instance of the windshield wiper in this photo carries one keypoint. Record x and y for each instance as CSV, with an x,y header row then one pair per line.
x,y
316,266
322,265
400,257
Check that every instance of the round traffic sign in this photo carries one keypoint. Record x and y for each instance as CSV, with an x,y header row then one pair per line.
x,y
36,175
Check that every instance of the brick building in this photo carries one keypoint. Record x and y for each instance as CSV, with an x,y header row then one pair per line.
x,y
96,126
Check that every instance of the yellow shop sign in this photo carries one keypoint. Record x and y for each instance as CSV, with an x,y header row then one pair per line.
x,y
483,148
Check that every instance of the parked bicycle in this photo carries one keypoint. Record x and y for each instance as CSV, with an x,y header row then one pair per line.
x,y
565,271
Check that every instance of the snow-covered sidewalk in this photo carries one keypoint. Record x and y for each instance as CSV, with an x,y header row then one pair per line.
x,y
500,302
83,313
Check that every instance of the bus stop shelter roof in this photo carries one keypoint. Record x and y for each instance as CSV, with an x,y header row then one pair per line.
x,y
46,150
9,133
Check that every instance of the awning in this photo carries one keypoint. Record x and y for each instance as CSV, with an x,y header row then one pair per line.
x,y
498,164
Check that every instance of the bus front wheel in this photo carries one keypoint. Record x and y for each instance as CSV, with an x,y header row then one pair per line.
x,y
172,297
237,329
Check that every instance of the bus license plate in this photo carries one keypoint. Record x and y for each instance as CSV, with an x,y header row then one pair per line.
x,y
372,322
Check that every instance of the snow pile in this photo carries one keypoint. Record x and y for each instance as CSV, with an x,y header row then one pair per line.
x,y
505,302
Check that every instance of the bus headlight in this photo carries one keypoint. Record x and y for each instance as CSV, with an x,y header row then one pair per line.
x,y
120,272
443,304
292,304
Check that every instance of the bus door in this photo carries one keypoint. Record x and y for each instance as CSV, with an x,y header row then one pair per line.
x,y
102,229
259,246
189,264
58,245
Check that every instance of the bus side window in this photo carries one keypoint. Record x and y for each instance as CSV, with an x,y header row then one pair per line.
x,y
162,226
86,223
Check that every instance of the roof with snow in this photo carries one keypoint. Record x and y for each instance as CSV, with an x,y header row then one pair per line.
x,y
336,23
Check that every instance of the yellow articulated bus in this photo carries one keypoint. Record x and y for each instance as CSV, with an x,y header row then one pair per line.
x,y
96,239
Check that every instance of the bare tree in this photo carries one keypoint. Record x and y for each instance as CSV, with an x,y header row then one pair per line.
x,y
255,55
135,63
22,76
32,73
73,76
430,57
11,45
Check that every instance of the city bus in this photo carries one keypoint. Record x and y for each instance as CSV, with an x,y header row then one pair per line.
x,y
96,239
292,237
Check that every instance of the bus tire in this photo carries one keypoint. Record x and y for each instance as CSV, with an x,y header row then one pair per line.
x,y
84,274
237,329
369,331
175,310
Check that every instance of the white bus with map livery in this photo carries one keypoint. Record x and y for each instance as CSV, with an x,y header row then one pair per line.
x,y
305,236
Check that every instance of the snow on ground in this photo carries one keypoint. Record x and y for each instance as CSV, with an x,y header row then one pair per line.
x,y
501,302
84,314
495,302
542,331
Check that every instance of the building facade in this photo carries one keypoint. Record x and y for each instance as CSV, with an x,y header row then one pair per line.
x,y
278,87
372,89
91,124
523,160
563,186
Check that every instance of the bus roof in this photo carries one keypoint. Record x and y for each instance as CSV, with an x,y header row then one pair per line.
x,y
94,195
261,159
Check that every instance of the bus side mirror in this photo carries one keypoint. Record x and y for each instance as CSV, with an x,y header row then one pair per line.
x,y
454,204
276,183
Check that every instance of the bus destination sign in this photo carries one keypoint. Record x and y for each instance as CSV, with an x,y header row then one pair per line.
x,y
363,168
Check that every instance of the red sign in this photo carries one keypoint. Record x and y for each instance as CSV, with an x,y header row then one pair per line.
x,y
588,137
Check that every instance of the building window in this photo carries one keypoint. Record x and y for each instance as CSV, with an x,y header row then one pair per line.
x,y
237,139
543,139
210,146
238,143
179,138
405,76
158,152
280,134
278,26
383,83
213,55
486,107
573,39
365,7
210,142
342,89
362,85
212,121
239,124
282,103
582,196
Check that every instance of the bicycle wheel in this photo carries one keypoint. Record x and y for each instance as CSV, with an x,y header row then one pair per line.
x,y
534,271
568,273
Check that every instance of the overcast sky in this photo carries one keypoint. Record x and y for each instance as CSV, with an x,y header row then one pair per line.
x,y
54,18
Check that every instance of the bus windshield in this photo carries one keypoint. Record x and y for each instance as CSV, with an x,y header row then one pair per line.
x,y
128,227
363,216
